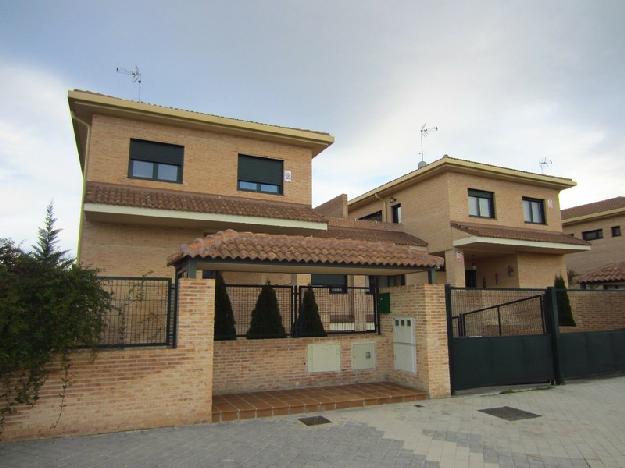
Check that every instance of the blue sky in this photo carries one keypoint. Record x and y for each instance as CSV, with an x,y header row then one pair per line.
x,y
507,83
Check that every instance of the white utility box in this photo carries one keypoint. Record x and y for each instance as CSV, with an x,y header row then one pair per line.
x,y
405,344
324,357
363,355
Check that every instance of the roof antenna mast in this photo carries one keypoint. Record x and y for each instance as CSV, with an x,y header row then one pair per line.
x,y
135,77
425,131
544,163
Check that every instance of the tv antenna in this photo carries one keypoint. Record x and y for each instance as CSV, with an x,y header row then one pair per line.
x,y
135,77
425,131
544,163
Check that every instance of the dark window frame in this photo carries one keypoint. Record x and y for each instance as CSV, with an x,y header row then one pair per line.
x,y
155,163
542,210
258,189
485,195
616,231
334,288
593,234
396,213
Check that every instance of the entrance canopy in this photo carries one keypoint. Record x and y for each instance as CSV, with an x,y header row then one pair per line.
x,y
246,251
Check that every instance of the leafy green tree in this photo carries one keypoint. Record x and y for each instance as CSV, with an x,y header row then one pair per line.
x,y
565,314
224,317
49,305
266,318
308,322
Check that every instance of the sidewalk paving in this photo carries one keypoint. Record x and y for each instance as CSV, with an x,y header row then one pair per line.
x,y
580,424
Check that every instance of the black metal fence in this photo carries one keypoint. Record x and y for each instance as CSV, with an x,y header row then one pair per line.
x,y
142,312
344,310
497,312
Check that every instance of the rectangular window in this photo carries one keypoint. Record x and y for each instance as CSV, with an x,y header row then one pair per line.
x,y
387,281
616,231
336,283
481,204
396,212
533,211
155,161
376,216
592,235
260,174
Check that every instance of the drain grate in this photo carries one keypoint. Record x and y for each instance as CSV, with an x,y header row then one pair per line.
x,y
314,420
509,414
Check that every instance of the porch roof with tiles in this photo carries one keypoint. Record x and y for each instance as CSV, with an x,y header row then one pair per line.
x,y
304,251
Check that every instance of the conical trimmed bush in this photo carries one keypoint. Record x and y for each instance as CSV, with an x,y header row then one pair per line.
x,y
224,317
266,318
308,322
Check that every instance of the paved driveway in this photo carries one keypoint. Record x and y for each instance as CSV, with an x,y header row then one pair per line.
x,y
579,424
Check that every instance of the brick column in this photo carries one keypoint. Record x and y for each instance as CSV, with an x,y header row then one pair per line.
x,y
425,303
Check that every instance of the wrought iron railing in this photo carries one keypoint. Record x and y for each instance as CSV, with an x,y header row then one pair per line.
x,y
142,312
342,310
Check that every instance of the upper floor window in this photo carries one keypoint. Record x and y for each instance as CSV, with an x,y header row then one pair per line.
x,y
533,210
481,204
155,161
616,231
375,216
592,235
260,174
396,213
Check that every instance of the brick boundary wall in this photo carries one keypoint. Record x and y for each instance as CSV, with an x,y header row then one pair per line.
x,y
597,310
426,304
277,364
133,388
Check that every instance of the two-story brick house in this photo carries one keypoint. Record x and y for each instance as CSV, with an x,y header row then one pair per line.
x,y
495,226
600,223
156,178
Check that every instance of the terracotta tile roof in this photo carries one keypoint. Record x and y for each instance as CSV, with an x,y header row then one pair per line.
x,y
233,245
596,207
505,232
341,228
611,272
161,199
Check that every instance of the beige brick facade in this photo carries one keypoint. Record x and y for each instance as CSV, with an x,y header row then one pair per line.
x,y
210,159
137,388
426,304
607,250
597,310
430,205
276,364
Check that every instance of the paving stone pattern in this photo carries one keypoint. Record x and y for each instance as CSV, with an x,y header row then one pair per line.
x,y
581,424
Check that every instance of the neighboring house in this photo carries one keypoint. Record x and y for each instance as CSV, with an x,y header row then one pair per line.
x,y
496,227
602,224
156,178
610,276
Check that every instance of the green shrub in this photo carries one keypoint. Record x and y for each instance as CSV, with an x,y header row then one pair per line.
x,y
308,322
565,314
266,319
49,305
224,317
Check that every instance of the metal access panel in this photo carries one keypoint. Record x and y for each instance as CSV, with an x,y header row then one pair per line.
x,y
363,356
404,344
324,357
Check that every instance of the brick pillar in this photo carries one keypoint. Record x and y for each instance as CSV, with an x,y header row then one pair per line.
x,y
196,331
425,303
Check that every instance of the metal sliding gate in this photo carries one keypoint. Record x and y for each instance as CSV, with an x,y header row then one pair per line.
x,y
499,337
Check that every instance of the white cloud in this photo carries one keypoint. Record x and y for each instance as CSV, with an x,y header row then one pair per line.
x,y
38,161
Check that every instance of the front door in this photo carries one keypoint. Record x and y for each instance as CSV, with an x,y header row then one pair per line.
x,y
470,278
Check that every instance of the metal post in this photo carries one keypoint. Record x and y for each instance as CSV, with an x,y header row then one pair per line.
x,y
499,319
450,335
554,333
